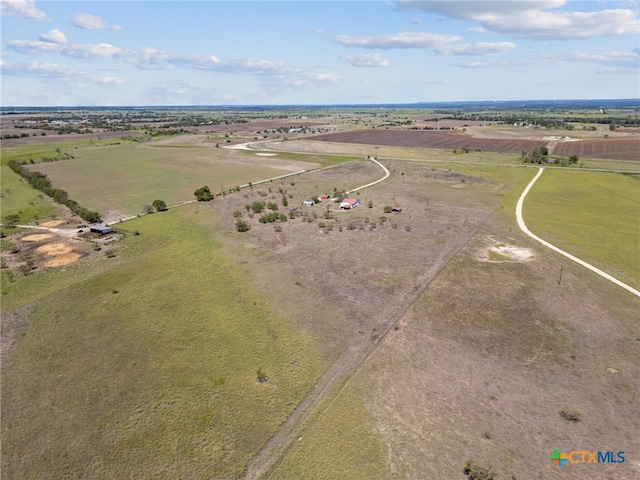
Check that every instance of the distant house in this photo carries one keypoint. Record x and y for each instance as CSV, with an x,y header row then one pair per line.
x,y
323,197
348,203
100,229
308,203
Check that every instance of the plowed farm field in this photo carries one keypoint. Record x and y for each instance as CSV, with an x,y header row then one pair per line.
x,y
617,149
432,139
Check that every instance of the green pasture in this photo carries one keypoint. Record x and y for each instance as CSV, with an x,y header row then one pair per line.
x,y
123,178
339,441
594,216
317,159
146,365
18,197
36,151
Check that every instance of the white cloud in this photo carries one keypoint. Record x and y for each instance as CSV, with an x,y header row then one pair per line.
x,y
396,40
621,70
470,9
366,60
295,84
480,48
98,50
108,80
249,65
39,69
86,21
92,50
625,60
486,64
564,25
147,58
54,36
477,30
22,8
30,46
532,19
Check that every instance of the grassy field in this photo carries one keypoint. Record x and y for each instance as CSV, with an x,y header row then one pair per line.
x,y
146,365
18,197
118,180
593,216
182,355
340,442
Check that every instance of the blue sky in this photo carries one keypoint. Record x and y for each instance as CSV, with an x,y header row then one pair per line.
x,y
74,53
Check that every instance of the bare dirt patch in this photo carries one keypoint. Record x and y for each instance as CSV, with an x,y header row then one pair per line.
x,y
498,251
37,237
42,250
432,139
53,223
53,249
611,148
62,260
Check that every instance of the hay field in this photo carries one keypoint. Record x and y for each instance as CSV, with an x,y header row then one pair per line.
x,y
118,180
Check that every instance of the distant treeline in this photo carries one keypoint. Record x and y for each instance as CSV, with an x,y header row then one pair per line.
x,y
558,123
41,182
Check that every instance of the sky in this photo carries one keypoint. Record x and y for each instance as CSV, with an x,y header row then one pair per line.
x,y
156,53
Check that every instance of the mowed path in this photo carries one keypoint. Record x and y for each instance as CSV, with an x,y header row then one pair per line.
x,y
524,228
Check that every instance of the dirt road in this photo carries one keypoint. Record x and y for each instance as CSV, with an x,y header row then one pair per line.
x,y
524,228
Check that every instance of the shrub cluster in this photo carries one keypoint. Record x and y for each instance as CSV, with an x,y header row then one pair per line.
x,y
203,194
272,217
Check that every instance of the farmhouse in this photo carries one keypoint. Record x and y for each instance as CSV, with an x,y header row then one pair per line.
x,y
349,203
323,197
100,229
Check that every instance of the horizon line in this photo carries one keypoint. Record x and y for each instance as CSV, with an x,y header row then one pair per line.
x,y
299,105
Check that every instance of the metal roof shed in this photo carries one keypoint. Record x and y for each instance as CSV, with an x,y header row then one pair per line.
x,y
101,229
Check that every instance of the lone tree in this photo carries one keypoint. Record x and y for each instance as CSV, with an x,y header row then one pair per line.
x,y
203,194
160,205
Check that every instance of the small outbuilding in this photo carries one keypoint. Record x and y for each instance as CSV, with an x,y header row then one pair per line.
x,y
100,229
397,208
308,203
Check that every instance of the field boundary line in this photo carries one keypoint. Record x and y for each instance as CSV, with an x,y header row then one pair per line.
x,y
524,228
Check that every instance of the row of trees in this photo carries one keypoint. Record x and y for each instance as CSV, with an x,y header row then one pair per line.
x,y
540,156
41,182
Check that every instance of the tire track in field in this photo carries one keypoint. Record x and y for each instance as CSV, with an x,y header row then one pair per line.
x,y
353,360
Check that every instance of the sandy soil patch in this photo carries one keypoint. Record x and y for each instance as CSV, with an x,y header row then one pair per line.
x,y
52,223
504,252
62,260
37,237
54,249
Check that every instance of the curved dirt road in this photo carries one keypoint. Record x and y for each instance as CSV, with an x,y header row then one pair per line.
x,y
524,228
